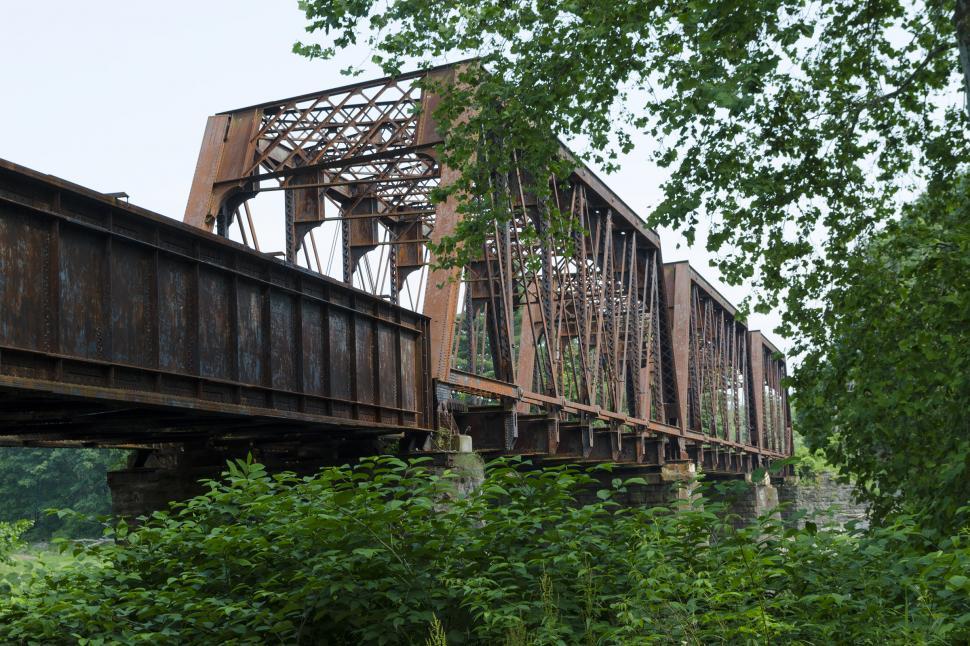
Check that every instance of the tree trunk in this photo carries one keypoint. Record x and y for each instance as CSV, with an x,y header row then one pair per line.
x,y
961,19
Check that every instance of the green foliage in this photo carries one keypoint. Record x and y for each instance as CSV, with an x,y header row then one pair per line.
x,y
27,563
809,463
10,537
34,480
780,118
384,554
887,395
798,130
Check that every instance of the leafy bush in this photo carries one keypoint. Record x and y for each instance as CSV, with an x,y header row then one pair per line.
x,y
885,397
10,537
809,463
384,553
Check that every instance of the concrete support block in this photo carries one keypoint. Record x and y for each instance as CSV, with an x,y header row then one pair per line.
x,y
168,473
463,443
764,497
672,482
141,491
680,478
469,469
748,499
745,499
678,471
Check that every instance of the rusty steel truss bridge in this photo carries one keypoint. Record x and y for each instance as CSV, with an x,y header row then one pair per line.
x,y
121,327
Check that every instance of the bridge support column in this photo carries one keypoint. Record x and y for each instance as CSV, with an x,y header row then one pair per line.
x,y
468,466
746,500
163,474
154,478
821,499
673,482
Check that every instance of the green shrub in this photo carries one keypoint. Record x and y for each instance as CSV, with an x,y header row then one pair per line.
x,y
384,554
809,464
884,393
11,535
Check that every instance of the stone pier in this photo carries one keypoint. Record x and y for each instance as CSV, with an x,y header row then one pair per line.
x,y
665,484
166,473
746,499
824,500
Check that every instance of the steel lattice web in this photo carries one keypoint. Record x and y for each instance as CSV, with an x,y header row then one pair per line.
x,y
587,327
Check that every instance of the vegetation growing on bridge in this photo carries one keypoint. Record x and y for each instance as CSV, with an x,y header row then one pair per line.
x,y
380,554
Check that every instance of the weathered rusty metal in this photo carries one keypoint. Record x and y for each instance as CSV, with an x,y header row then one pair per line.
x,y
116,320
595,336
771,415
730,379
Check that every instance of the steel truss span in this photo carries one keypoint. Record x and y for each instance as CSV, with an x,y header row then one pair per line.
x,y
598,352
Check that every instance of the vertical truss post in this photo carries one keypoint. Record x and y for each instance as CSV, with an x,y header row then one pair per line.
x,y
756,363
227,149
678,296
441,299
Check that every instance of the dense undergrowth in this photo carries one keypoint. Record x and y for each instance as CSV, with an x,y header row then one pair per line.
x,y
383,554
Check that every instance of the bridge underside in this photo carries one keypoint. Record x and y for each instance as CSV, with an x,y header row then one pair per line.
x,y
57,419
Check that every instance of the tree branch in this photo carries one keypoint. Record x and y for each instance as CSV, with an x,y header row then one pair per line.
x,y
939,49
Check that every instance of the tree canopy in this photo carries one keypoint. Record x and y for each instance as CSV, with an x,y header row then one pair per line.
x,y
796,130
34,480
779,119
889,394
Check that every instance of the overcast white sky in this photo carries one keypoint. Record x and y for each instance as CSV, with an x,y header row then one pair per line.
x,y
114,95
